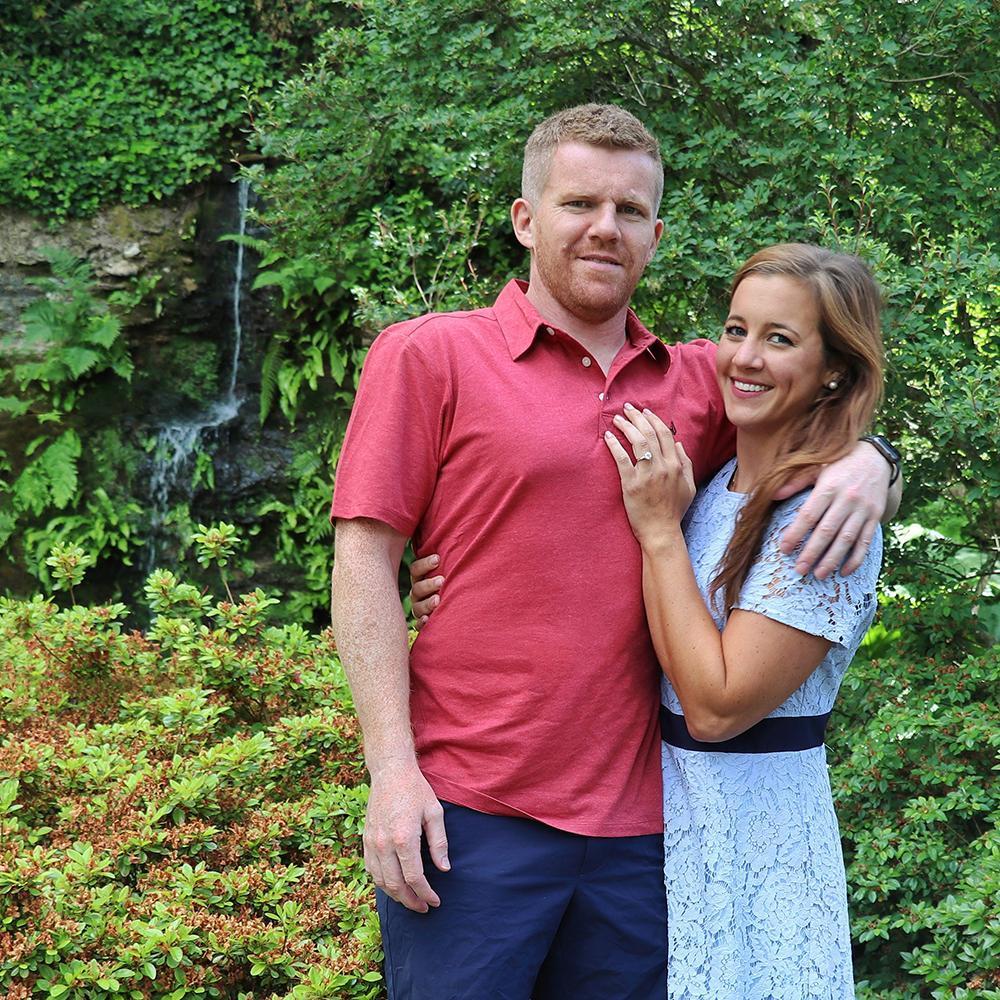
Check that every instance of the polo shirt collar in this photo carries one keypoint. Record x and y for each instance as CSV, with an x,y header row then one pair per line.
x,y
520,323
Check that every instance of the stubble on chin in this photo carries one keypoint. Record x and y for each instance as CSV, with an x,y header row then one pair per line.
x,y
587,298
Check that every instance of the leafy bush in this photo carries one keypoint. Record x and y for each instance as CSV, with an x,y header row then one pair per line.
x,y
180,811
72,345
864,127
916,740
149,91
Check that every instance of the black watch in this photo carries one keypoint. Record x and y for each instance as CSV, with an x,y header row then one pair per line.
x,y
885,448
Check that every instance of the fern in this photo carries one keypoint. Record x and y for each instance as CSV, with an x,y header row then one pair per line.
x,y
254,243
14,406
103,331
59,465
74,333
273,360
31,490
8,524
70,343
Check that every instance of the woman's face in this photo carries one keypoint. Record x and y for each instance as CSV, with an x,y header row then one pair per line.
x,y
771,364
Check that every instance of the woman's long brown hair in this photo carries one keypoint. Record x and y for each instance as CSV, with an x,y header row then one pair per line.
x,y
849,304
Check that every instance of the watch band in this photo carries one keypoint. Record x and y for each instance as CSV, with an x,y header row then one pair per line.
x,y
886,449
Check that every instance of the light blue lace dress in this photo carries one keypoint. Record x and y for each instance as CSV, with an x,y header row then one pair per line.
x,y
756,894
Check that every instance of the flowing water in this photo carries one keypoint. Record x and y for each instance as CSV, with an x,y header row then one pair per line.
x,y
179,443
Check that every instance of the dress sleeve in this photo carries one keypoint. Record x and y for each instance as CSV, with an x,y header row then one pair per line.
x,y
389,460
838,608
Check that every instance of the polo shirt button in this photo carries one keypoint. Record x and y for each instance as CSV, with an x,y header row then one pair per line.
x,y
550,331
586,362
600,395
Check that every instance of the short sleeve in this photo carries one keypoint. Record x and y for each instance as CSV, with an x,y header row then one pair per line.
x,y
389,461
715,441
838,609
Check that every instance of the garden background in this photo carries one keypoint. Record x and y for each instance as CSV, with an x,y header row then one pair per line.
x,y
209,208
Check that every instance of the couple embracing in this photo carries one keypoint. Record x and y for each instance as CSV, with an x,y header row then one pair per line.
x,y
611,696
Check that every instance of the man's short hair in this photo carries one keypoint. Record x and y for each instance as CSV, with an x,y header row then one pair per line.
x,y
604,125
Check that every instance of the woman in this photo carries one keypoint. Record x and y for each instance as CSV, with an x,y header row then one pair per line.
x,y
753,654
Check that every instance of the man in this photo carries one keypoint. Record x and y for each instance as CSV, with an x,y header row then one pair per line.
x,y
520,736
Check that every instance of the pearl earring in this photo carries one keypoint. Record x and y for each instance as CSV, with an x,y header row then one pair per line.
x,y
832,384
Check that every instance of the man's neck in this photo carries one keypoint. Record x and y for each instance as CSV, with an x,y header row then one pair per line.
x,y
603,339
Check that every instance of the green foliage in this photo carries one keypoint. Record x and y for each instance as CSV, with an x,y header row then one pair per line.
x,y
192,366
917,747
149,91
216,545
72,345
389,165
156,839
891,156
387,193
70,337
68,563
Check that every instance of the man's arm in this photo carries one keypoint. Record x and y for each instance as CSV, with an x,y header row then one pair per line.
x,y
851,497
370,629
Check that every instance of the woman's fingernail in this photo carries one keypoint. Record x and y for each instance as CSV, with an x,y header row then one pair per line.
x,y
629,406
435,560
438,581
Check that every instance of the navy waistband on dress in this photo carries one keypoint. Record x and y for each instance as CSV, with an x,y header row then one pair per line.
x,y
781,735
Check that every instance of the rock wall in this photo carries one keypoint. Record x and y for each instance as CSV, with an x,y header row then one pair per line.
x,y
181,337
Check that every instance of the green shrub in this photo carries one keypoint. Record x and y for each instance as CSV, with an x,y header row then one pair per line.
x,y
916,740
387,193
179,812
149,92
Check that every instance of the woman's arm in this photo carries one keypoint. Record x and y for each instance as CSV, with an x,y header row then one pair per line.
x,y
725,681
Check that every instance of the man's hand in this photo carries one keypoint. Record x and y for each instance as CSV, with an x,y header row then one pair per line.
x,y
848,502
401,807
424,588
371,637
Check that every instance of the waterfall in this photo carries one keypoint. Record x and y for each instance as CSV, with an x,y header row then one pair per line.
x,y
177,444
243,201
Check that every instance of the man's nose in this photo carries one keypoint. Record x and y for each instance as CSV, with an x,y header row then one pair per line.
x,y
604,222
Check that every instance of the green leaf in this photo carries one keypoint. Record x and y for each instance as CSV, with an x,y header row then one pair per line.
x,y
13,405
79,360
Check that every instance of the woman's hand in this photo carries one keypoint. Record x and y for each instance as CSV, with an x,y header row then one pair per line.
x,y
659,487
424,596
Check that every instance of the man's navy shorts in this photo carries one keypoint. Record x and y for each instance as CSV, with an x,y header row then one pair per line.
x,y
528,911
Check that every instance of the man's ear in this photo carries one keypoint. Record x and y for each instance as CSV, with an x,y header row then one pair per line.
x,y
521,216
657,233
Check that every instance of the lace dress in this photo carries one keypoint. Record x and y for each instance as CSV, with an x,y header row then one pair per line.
x,y
756,894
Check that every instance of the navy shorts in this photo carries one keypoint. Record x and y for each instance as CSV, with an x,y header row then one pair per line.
x,y
528,911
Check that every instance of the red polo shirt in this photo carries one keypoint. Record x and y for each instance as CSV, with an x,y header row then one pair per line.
x,y
480,434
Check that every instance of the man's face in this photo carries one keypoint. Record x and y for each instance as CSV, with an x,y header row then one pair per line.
x,y
592,231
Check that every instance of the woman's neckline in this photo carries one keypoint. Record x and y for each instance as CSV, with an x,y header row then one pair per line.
x,y
728,486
